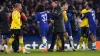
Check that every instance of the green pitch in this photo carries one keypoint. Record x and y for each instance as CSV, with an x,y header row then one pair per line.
x,y
39,53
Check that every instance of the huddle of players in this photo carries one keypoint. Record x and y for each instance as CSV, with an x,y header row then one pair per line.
x,y
88,28
60,18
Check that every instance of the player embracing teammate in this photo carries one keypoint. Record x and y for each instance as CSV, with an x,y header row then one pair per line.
x,y
92,24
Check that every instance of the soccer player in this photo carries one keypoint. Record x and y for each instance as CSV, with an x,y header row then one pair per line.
x,y
92,24
84,30
42,17
15,44
16,29
69,16
58,15
68,29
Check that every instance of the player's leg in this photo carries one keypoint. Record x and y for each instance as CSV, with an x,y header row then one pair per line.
x,y
22,45
43,33
15,44
93,37
20,36
86,38
81,38
54,37
58,44
58,41
10,41
70,38
86,42
44,41
61,35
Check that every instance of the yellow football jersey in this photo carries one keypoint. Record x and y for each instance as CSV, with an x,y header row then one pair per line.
x,y
16,20
84,22
64,14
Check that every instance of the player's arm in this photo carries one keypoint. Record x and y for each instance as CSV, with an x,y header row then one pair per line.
x,y
49,15
15,18
37,18
86,15
65,15
9,18
23,16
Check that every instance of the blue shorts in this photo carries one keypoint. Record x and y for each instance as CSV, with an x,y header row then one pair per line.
x,y
43,31
69,31
92,30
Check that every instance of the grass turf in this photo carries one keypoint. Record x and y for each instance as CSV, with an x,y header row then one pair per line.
x,y
39,53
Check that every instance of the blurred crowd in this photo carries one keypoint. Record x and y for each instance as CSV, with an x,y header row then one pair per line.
x,y
31,28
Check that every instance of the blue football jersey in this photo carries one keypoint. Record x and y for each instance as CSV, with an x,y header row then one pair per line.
x,y
43,17
91,18
70,17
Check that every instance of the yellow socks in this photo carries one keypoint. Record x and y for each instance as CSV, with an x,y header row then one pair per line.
x,y
86,42
81,42
58,44
10,41
21,43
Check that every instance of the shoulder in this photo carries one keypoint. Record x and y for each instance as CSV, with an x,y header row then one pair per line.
x,y
85,11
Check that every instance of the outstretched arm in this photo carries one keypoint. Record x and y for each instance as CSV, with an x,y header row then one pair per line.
x,y
84,16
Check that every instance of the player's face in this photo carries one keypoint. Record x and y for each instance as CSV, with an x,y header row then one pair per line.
x,y
20,6
53,4
66,6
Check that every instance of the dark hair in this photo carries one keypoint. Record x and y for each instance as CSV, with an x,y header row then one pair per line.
x,y
55,1
63,3
40,8
89,5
